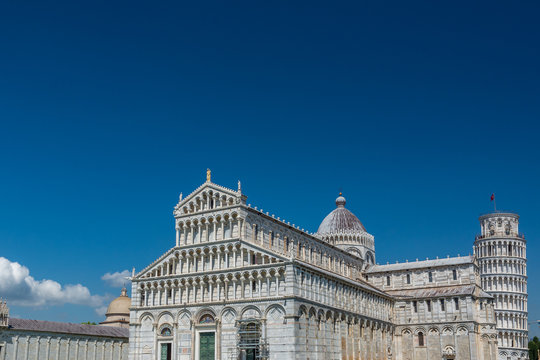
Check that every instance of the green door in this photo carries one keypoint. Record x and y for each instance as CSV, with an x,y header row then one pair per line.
x,y
166,351
207,345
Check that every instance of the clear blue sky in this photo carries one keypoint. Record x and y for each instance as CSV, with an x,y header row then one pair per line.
x,y
417,110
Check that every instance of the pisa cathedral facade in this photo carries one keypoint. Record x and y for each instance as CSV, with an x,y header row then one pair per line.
x,y
240,283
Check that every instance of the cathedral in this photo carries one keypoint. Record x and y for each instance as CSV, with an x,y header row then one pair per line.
x,y
242,284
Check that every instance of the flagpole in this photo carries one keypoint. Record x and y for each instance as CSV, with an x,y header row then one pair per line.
x,y
495,203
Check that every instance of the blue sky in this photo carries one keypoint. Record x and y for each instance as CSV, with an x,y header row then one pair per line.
x,y
417,111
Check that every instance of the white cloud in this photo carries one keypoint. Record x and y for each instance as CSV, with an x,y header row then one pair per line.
x,y
101,311
116,279
21,289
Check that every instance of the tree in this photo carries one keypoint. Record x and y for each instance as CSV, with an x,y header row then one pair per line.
x,y
89,323
534,345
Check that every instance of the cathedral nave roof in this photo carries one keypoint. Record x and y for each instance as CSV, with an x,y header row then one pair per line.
x,y
440,291
458,260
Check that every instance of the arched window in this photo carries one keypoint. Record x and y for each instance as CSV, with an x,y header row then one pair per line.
x,y
408,278
420,339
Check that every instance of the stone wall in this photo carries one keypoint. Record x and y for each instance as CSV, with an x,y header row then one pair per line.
x,y
29,345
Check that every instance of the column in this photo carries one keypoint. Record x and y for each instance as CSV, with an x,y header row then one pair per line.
x,y
37,350
15,347
47,349
179,268
26,348
226,290
57,349
222,222
68,342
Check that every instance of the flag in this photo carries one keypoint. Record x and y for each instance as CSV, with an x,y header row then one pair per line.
x,y
492,197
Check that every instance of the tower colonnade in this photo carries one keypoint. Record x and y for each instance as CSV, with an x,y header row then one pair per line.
x,y
502,260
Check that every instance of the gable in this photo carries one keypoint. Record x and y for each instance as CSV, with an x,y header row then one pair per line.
x,y
166,265
208,196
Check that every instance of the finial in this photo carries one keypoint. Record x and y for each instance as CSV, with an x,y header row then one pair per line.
x,y
208,175
340,201
133,272
239,186
180,198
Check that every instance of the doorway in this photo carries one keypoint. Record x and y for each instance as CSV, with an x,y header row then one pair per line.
x,y
166,352
207,345
252,354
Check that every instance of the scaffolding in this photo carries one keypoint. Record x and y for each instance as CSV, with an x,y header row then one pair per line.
x,y
250,342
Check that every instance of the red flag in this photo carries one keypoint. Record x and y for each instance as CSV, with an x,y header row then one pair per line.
x,y
492,197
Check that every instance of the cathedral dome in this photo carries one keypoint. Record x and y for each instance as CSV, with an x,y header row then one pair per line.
x,y
118,311
340,220
120,305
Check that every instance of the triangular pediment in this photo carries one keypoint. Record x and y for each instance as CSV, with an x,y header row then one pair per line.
x,y
162,265
208,196
264,251
158,263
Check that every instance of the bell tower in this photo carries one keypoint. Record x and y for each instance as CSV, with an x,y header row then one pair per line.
x,y
502,258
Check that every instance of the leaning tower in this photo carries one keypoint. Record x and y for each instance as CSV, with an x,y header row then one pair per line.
x,y
502,259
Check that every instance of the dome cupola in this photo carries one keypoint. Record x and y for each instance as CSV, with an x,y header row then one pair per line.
x,y
340,220
343,229
118,311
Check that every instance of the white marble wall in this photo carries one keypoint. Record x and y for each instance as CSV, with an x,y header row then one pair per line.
x,y
29,345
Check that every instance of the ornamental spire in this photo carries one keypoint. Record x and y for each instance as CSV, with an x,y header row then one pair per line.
x,y
208,175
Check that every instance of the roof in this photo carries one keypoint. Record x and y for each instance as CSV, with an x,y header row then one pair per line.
x,y
440,291
358,282
68,328
460,260
120,305
340,220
